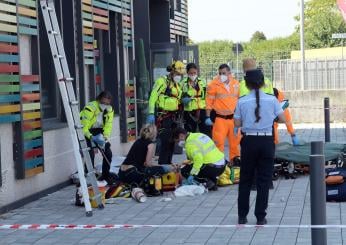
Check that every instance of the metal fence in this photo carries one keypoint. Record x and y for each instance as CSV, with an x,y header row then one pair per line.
x,y
320,74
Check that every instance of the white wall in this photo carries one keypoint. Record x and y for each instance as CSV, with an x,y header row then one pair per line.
x,y
59,162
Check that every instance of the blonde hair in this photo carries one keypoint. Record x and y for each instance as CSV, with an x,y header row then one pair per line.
x,y
249,64
148,131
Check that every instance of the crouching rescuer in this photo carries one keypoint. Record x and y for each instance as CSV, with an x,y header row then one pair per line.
x,y
97,120
207,161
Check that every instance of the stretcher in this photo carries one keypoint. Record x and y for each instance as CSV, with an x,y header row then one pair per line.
x,y
290,160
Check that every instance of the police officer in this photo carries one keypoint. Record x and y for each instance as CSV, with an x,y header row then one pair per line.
x,y
165,101
250,64
208,162
193,99
97,120
255,114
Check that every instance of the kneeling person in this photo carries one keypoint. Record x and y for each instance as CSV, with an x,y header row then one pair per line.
x,y
139,161
208,162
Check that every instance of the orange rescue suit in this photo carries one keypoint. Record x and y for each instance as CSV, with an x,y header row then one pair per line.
x,y
223,99
289,124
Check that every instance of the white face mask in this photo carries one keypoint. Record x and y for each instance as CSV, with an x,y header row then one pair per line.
x,y
177,78
223,78
105,107
193,77
181,143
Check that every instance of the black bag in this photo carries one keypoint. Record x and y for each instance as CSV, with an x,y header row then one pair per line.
x,y
336,190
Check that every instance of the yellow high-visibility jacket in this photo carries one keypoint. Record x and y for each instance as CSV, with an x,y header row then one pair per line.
x,y
91,115
200,149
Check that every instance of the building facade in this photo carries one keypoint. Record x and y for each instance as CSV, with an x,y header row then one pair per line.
x,y
35,147
110,45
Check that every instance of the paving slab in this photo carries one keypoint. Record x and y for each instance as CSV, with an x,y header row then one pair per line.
x,y
289,204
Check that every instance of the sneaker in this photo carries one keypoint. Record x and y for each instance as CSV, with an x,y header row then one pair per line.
x,y
261,221
242,220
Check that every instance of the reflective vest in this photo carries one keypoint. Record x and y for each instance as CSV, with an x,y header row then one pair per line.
x,y
165,95
92,116
196,93
220,99
200,149
267,88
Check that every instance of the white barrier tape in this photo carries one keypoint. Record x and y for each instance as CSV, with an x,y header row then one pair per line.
x,y
129,226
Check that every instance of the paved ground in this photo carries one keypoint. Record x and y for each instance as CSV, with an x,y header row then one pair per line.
x,y
289,204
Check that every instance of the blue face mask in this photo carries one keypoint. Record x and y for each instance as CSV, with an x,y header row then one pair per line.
x,y
105,107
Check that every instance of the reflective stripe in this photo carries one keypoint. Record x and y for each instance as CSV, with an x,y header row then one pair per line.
x,y
225,96
211,97
203,151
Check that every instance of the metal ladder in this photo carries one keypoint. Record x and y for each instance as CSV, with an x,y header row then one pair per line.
x,y
71,105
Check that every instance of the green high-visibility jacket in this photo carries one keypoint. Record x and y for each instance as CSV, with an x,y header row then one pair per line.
x,y
267,88
89,116
200,149
197,94
166,95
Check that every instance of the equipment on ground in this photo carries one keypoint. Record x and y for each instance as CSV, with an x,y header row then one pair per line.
x,y
71,106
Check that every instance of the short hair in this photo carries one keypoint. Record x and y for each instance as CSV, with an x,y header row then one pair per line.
x,y
148,131
177,132
104,94
249,64
223,66
191,66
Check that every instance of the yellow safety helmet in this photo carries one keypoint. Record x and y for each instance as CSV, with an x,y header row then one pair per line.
x,y
178,66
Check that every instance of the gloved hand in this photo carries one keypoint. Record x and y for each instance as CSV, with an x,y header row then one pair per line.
x,y
151,119
190,180
186,100
208,122
98,140
295,140
235,131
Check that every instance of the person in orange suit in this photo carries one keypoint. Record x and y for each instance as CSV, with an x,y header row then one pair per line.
x,y
222,97
289,125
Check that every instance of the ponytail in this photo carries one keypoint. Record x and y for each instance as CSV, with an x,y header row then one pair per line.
x,y
258,106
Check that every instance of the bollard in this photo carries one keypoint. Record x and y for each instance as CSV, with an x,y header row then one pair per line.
x,y
317,193
326,120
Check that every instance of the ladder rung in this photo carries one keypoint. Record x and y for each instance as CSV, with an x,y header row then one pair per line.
x,y
59,56
53,32
90,173
85,149
78,126
74,102
66,79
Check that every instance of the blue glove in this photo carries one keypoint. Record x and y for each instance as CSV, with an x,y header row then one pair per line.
x,y
151,119
295,140
99,140
190,180
208,122
186,100
235,131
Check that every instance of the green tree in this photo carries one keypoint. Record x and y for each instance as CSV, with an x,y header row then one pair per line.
x,y
258,36
322,19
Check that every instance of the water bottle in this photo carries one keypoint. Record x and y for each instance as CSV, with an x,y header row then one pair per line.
x,y
138,194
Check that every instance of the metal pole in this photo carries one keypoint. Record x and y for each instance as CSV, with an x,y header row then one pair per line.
x,y
326,120
317,193
237,48
302,46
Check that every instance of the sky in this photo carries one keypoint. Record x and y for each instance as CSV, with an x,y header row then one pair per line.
x,y
237,20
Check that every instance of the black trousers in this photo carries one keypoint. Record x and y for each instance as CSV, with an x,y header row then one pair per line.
x,y
195,119
166,148
108,153
257,154
134,177
207,172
